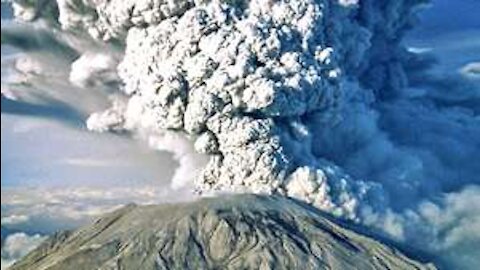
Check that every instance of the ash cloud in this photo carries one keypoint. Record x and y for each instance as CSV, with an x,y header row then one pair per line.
x,y
246,81
318,100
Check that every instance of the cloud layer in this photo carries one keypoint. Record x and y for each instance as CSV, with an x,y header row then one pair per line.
x,y
18,245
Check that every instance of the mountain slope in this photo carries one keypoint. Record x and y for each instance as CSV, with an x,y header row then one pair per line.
x,y
236,232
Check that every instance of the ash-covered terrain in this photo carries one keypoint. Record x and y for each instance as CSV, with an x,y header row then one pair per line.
x,y
234,232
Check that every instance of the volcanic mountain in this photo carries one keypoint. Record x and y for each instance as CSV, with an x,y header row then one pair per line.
x,y
234,232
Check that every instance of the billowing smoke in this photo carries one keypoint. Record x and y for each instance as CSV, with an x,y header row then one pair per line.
x,y
315,99
245,80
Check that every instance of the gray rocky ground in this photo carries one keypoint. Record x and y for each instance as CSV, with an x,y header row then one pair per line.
x,y
235,232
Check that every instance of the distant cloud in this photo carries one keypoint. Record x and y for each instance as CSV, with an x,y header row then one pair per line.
x,y
18,245
14,219
46,210
34,212
89,162
471,69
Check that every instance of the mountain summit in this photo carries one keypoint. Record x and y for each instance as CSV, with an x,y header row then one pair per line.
x,y
235,232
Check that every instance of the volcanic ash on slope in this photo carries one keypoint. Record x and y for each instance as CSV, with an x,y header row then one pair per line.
x,y
236,232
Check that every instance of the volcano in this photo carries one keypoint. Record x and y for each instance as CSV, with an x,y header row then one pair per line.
x,y
235,232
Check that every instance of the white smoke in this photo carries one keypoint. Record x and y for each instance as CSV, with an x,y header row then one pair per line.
x,y
238,78
306,98
190,162
93,69
449,226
